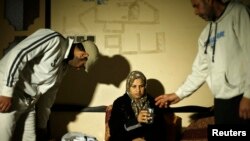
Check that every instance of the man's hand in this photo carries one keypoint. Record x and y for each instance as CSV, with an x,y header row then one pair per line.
x,y
5,103
244,111
166,99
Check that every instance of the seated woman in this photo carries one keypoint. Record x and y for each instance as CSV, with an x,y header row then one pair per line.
x,y
130,119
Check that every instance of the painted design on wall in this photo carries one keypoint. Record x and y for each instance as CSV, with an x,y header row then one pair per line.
x,y
121,22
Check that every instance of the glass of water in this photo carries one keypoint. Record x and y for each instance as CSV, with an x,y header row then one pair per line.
x,y
151,117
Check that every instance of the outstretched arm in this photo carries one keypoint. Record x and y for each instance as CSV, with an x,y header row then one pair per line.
x,y
166,99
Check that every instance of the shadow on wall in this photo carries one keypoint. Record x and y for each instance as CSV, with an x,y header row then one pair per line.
x,y
154,87
78,88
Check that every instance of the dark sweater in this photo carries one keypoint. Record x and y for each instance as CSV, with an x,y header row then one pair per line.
x,y
122,115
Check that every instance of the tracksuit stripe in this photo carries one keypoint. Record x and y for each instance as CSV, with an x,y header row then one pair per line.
x,y
23,52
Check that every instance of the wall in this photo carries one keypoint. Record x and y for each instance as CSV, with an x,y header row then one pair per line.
x,y
157,37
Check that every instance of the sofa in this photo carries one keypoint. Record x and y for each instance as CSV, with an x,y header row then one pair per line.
x,y
195,131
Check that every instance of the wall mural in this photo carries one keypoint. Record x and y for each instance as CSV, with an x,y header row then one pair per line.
x,y
117,27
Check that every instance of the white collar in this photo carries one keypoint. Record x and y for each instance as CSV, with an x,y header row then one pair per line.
x,y
70,42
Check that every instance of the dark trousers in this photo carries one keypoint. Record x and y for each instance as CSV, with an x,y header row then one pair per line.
x,y
226,111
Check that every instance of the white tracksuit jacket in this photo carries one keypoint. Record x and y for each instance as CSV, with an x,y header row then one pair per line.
x,y
229,74
35,66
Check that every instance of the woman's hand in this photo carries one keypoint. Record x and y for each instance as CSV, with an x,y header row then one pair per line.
x,y
143,116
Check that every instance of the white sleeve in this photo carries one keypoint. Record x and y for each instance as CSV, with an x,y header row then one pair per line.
x,y
18,57
198,75
242,30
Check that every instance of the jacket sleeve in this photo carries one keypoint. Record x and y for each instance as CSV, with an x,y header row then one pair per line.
x,y
242,31
198,75
18,57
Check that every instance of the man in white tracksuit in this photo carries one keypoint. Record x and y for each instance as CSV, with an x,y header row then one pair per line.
x,y
223,61
30,75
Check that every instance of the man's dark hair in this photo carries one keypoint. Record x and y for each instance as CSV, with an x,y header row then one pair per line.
x,y
79,46
71,52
